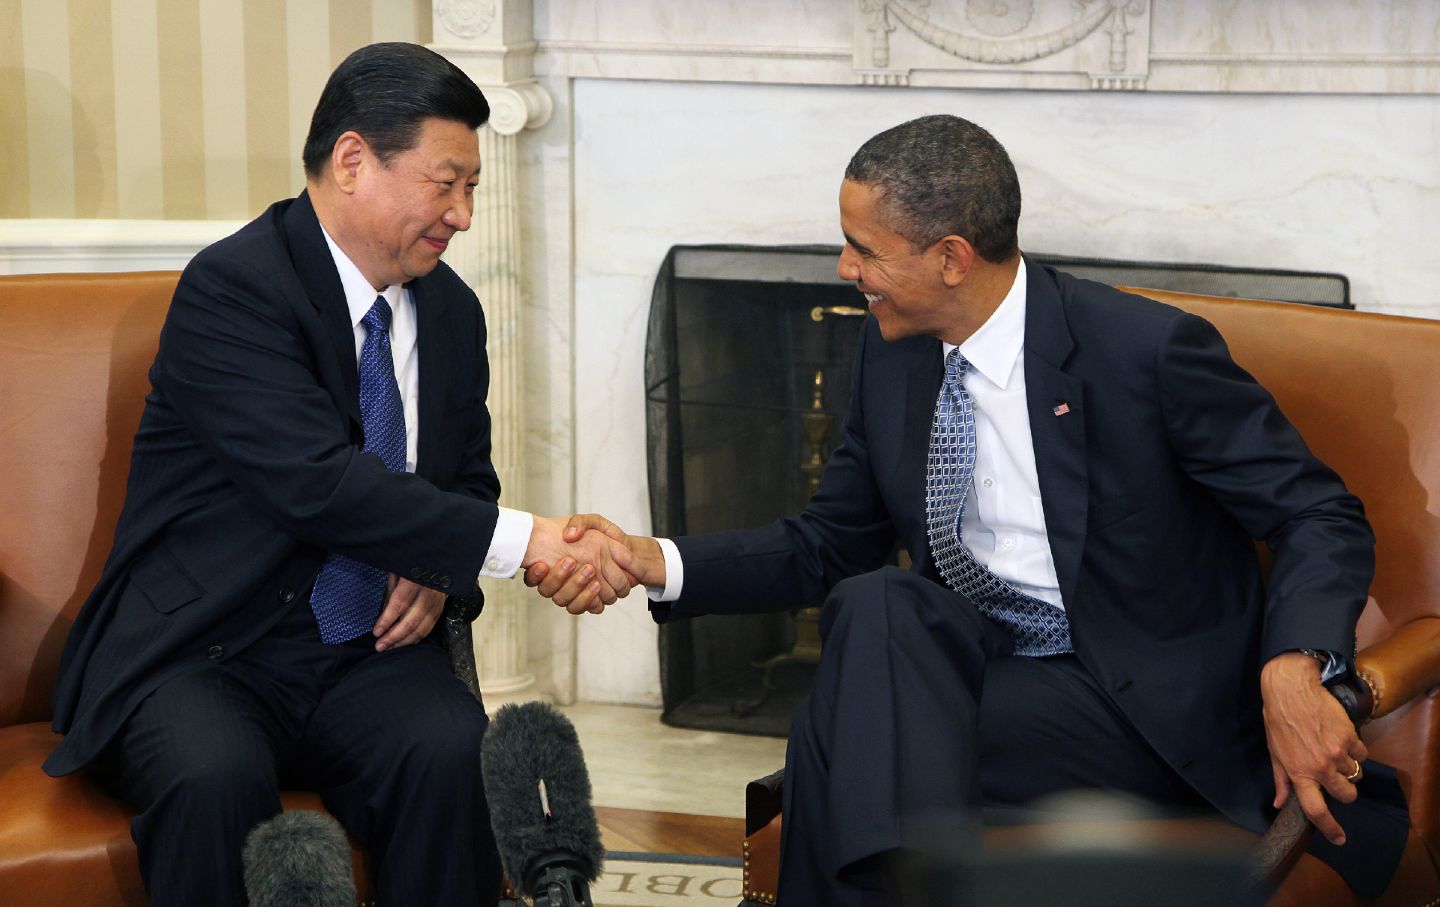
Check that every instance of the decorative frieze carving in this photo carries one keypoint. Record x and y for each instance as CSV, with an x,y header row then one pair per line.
x,y
464,18
1099,44
999,17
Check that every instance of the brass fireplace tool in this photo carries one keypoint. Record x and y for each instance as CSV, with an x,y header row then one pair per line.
x,y
817,424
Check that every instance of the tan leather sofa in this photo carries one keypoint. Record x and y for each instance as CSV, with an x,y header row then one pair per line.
x,y
1364,390
74,355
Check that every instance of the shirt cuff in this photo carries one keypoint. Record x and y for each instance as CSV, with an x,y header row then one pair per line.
x,y
508,544
1331,664
674,574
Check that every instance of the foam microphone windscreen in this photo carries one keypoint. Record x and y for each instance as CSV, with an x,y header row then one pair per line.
x,y
298,859
539,794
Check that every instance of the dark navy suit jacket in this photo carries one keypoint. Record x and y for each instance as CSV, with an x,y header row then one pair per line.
x,y
247,470
1168,462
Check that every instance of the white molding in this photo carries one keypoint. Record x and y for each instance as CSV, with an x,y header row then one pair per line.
x,y
1168,71
696,62
71,246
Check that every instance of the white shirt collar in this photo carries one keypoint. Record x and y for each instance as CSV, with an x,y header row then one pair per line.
x,y
993,349
359,295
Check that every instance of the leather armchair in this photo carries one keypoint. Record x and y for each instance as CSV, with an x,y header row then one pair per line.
x,y
1364,391
75,351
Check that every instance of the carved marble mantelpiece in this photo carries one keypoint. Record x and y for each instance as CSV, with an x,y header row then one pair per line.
x,y
1211,46
1099,44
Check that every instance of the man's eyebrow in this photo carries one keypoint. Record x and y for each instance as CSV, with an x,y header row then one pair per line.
x,y
863,250
458,167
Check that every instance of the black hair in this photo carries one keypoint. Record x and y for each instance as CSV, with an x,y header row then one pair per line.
x,y
385,92
941,175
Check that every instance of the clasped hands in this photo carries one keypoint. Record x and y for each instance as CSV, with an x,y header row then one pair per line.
x,y
594,565
587,562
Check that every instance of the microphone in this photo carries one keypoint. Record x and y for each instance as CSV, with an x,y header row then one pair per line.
x,y
298,859
540,809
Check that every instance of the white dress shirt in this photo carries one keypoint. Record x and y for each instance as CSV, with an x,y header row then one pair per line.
x,y
512,529
1004,524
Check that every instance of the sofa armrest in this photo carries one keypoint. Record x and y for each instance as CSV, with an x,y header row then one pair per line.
x,y
1403,666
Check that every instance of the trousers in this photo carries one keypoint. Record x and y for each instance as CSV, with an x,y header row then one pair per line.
x,y
390,740
919,708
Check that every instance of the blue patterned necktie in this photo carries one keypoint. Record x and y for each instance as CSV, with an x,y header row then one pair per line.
x,y
1037,627
348,594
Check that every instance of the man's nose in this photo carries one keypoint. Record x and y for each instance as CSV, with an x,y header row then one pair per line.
x,y
458,215
847,268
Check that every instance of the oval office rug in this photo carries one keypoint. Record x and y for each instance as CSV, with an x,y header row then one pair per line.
x,y
667,880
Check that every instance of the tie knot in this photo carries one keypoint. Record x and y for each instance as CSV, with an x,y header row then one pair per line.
x,y
378,318
956,366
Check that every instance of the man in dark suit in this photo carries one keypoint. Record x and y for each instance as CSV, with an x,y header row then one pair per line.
x,y
310,479
1078,475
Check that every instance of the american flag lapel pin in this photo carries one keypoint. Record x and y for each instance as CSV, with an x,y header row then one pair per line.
x,y
1061,409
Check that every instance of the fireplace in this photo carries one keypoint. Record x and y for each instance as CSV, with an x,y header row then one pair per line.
x,y
747,377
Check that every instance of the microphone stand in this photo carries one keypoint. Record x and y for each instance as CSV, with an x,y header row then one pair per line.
x,y
560,885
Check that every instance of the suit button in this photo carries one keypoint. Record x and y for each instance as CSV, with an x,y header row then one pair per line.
x,y
417,573
443,582
286,594
216,653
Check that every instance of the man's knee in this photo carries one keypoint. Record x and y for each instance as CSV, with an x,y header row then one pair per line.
x,y
447,739
858,598
881,599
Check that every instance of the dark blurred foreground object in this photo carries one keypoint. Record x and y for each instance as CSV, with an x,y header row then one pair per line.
x,y
1362,390
298,859
1080,848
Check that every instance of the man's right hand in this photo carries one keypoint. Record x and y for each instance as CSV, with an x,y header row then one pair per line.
x,y
590,571
645,563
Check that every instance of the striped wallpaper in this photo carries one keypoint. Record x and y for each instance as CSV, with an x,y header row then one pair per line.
x,y
170,109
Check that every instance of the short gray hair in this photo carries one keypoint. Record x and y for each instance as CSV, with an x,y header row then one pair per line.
x,y
941,175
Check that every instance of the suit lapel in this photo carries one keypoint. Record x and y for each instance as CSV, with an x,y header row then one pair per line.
x,y
316,268
433,348
924,373
1056,403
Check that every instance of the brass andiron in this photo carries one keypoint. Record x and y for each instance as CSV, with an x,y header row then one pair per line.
x,y
817,424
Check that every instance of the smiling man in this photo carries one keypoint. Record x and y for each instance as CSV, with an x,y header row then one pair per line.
x,y
1078,475
310,480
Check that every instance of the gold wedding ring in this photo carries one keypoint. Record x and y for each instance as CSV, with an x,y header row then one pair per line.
x,y
1357,774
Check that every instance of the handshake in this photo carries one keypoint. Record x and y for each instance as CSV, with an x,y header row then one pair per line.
x,y
587,562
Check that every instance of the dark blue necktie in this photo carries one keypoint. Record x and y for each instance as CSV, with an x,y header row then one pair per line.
x,y
1037,627
348,594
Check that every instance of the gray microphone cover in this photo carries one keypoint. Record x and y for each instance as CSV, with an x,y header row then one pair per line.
x,y
298,859
525,744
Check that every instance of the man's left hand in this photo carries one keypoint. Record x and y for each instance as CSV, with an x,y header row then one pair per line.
x,y
1314,748
409,615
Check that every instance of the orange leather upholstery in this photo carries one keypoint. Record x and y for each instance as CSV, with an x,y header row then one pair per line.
x,y
1364,391
74,356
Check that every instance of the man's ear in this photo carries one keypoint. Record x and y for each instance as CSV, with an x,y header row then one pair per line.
x,y
956,257
345,160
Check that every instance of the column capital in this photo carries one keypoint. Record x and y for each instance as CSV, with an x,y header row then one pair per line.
x,y
493,42
517,105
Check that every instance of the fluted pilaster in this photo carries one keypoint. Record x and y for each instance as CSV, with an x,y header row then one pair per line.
x,y
489,41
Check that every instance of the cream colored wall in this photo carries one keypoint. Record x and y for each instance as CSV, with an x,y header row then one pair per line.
x,y
170,109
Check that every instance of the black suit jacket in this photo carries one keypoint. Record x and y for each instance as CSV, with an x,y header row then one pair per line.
x,y
247,470
1169,461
